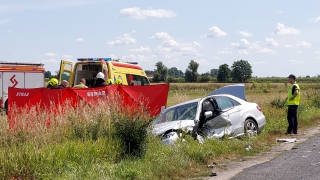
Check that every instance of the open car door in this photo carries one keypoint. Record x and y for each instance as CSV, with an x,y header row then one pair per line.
x,y
66,72
213,123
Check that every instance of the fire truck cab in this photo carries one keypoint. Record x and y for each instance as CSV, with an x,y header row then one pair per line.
x,y
19,75
128,72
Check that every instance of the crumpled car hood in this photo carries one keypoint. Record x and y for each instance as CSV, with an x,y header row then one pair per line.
x,y
160,129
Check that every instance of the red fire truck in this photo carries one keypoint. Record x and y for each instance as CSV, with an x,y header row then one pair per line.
x,y
19,75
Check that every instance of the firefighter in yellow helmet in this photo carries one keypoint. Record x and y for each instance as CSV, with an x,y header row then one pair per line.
x,y
118,81
110,81
53,84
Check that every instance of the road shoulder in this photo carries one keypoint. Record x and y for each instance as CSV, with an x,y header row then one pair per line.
x,y
232,168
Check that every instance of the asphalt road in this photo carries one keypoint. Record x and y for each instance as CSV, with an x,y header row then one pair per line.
x,y
301,162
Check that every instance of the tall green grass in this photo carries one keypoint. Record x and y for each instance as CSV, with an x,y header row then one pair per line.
x,y
93,143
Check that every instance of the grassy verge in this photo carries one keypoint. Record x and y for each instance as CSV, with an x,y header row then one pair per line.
x,y
85,144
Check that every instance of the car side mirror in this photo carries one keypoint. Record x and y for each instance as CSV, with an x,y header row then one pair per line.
x,y
208,114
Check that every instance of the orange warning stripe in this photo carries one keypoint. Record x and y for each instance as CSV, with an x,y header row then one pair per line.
x,y
21,68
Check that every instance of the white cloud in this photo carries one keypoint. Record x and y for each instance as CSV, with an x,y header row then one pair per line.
x,y
143,58
176,49
245,44
315,19
245,33
266,51
5,21
50,61
67,56
141,49
215,32
170,43
282,30
271,42
215,57
129,57
196,44
202,62
243,52
317,52
138,13
79,39
112,56
299,52
161,36
224,52
123,40
293,61
304,44
51,54
288,46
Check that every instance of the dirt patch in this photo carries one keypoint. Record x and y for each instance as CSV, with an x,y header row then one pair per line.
x,y
232,168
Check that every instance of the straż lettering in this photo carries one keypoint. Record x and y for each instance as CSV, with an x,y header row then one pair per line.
x,y
22,94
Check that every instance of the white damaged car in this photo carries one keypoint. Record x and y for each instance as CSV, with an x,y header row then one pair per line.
x,y
223,112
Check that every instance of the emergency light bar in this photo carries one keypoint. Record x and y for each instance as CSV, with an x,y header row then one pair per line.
x,y
94,59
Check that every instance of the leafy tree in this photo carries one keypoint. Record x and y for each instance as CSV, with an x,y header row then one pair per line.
x,y
160,73
174,72
149,72
214,72
241,71
223,73
205,78
191,74
47,74
211,73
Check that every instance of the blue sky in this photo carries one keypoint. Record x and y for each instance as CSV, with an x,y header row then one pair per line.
x,y
276,37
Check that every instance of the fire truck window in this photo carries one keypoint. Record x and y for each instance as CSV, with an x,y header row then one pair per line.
x,y
65,76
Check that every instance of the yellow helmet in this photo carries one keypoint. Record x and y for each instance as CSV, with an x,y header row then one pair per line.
x,y
110,81
118,81
53,82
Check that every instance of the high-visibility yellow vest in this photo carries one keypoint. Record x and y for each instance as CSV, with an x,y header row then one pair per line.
x,y
296,100
80,86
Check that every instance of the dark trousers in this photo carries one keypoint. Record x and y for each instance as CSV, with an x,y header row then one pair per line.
x,y
292,119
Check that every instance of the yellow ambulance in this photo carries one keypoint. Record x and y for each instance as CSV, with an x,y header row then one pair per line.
x,y
128,72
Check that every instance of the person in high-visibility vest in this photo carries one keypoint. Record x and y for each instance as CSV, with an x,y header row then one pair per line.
x,y
293,101
82,84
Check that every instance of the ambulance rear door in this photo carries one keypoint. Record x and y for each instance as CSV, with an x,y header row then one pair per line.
x,y
66,72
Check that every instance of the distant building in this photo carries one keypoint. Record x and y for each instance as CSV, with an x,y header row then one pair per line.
x,y
150,76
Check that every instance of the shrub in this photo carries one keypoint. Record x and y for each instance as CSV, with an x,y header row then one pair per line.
x,y
132,133
205,79
278,103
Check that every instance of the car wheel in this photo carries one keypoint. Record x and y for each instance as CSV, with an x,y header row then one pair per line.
x,y
250,128
170,137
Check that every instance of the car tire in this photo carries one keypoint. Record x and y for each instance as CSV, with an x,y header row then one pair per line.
x,y
251,128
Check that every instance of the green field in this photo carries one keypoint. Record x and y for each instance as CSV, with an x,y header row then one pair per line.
x,y
85,144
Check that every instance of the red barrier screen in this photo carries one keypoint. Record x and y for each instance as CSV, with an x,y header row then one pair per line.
x,y
153,98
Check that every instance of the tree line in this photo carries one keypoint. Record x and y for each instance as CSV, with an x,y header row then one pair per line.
x,y
240,71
